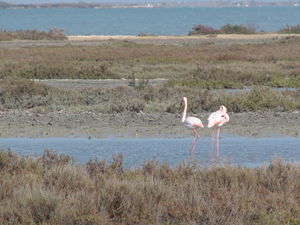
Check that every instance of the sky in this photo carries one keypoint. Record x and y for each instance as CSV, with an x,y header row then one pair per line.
x,y
71,1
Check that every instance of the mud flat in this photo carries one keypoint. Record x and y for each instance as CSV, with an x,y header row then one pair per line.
x,y
164,125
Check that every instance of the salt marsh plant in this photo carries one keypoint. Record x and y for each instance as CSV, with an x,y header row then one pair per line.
x,y
25,94
53,189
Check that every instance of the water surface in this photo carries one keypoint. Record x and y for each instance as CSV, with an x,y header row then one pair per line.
x,y
250,152
158,21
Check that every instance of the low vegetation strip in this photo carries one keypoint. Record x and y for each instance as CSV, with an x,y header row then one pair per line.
x,y
53,189
239,29
52,34
140,96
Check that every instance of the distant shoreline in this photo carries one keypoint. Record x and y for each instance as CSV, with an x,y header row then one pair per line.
x,y
179,37
160,4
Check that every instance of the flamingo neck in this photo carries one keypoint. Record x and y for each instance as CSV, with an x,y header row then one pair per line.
x,y
184,112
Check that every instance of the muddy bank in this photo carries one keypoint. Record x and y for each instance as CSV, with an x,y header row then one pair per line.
x,y
97,125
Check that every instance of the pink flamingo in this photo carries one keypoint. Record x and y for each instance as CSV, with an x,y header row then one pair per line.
x,y
191,123
218,118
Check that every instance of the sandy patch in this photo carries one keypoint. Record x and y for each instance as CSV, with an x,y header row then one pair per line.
x,y
219,36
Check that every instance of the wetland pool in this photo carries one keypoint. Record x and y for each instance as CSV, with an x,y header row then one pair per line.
x,y
235,150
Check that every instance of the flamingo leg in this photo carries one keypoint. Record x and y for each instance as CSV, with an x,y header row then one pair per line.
x,y
196,134
193,146
196,137
218,142
213,139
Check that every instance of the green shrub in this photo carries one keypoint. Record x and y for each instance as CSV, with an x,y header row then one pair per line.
x,y
236,29
259,99
52,34
290,29
291,81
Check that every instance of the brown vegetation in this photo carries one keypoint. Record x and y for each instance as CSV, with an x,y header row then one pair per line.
x,y
191,70
203,30
211,66
52,189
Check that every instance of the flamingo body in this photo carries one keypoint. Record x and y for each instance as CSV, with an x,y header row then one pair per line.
x,y
191,123
218,119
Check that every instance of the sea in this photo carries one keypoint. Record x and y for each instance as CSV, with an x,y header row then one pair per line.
x,y
151,21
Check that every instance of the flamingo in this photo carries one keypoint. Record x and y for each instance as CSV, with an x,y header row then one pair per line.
x,y
218,118
191,123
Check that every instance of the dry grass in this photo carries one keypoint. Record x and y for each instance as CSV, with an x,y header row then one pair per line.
x,y
52,189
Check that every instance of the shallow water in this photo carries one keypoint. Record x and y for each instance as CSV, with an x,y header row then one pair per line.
x,y
249,88
250,152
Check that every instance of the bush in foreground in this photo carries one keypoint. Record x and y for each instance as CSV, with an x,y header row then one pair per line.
x,y
52,189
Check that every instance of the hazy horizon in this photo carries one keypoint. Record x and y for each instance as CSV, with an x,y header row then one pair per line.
x,y
123,1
